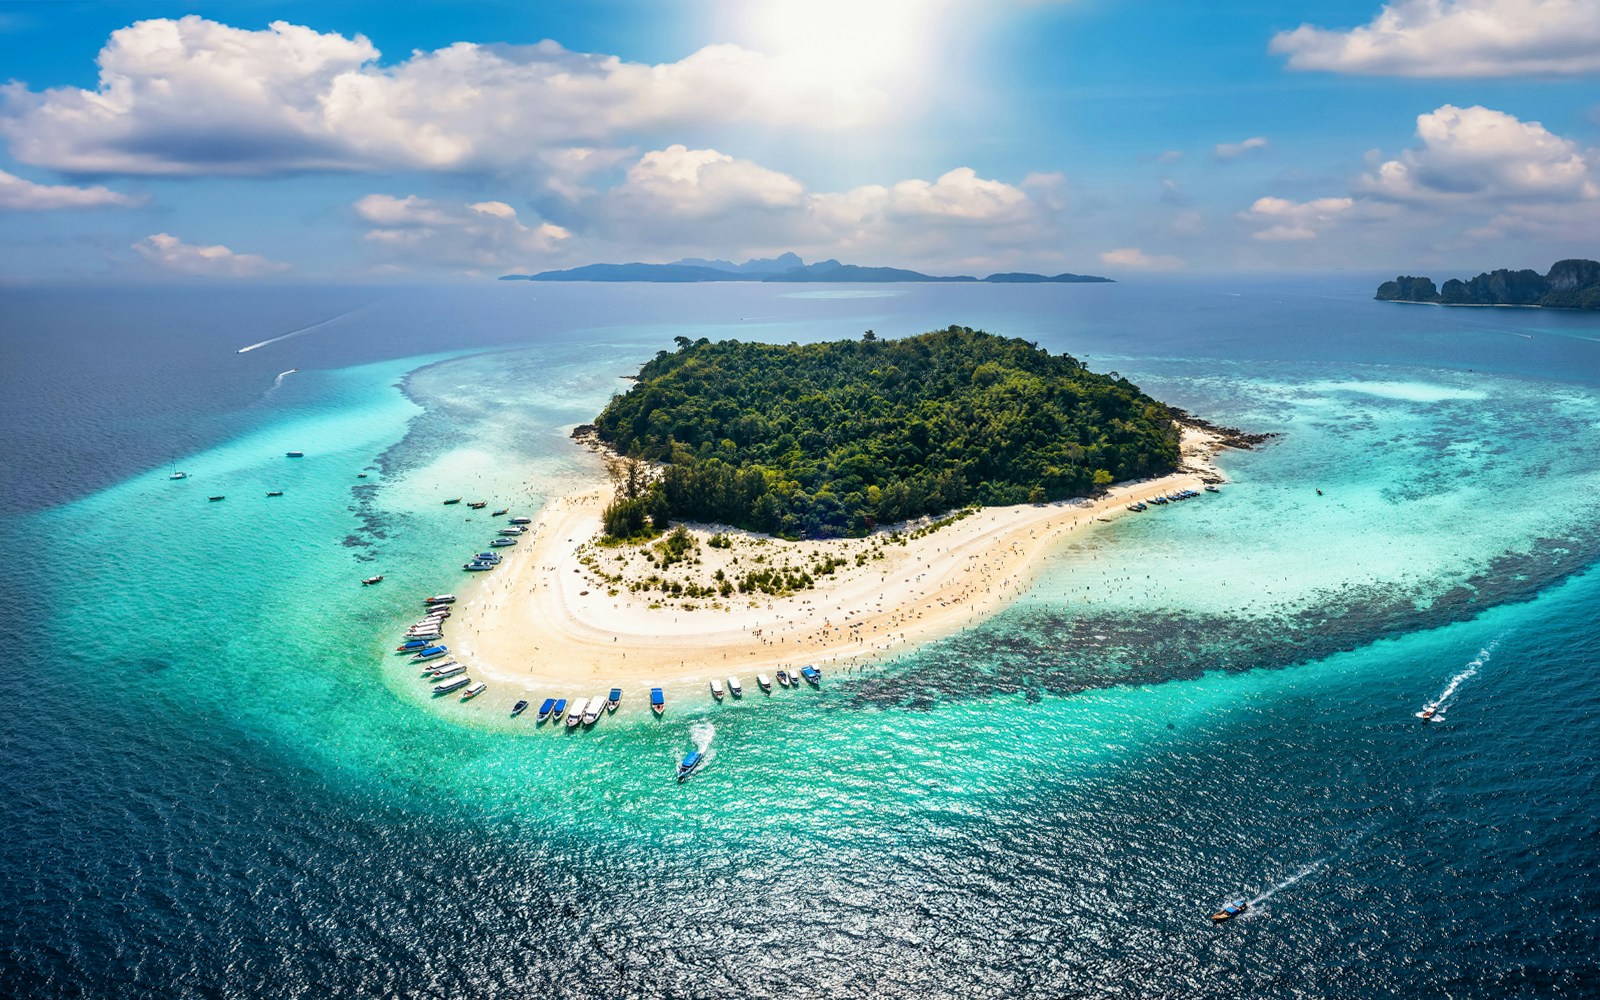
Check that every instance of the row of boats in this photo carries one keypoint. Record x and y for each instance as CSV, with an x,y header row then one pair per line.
x,y
577,713
1162,501
786,678
482,562
423,640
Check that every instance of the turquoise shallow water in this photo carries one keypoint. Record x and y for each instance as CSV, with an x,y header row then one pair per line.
x,y
222,783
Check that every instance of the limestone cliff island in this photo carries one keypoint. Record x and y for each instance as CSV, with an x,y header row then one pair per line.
x,y
1571,284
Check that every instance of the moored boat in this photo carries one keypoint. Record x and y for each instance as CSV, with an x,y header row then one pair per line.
x,y
473,691
501,542
499,513
477,567
274,493
297,454
216,498
510,532
522,520
1230,910
1212,488
558,710
716,689
614,699
517,709
453,500
783,677
440,599
764,682
658,701
593,710
575,717
431,653
479,505
369,581
689,764
734,687
812,674
178,475
453,671
453,684
438,669
410,645
545,709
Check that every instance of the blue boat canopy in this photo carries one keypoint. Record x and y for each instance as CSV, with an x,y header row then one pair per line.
x,y
549,703
656,697
616,693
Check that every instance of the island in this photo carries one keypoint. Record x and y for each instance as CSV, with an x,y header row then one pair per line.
x,y
783,268
762,506
1570,284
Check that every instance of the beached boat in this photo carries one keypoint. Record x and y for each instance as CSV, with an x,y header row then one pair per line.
x,y
477,567
545,709
1211,488
453,671
453,684
297,454
522,520
499,513
689,764
558,710
502,542
493,557
734,687
438,611
453,500
812,674
511,532
658,701
440,599
473,691
438,669
764,683
369,581
783,677
593,710
431,653
716,689
413,635
411,644
518,708
479,505
614,699
215,499
274,493
575,717
1230,910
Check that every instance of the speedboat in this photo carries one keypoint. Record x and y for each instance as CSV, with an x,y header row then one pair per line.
x,y
453,671
734,687
178,475
440,599
361,475
488,557
453,684
716,689
545,708
522,520
438,669
454,500
499,513
764,682
614,699
432,652
812,674
215,499
425,637
479,505
1159,500
369,581
297,454
438,611
658,701
1427,714
518,708
477,567
783,677
473,691
689,764
559,710
575,717
1230,910
510,532
1211,488
500,542
274,493
411,644
593,710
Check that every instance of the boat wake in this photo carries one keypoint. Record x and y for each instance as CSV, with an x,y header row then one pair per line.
x,y
296,333
1433,711
702,733
1291,880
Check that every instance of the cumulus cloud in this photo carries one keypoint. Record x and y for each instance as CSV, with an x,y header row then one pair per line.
x,y
1290,220
679,183
1476,153
172,254
1456,38
194,97
485,234
1135,258
1234,150
26,196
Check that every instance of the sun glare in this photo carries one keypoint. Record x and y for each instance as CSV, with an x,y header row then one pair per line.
x,y
866,43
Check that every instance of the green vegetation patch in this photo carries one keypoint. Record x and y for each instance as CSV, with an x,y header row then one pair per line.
x,y
833,439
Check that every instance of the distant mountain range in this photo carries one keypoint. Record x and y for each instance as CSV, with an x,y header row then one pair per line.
x,y
786,267
1571,284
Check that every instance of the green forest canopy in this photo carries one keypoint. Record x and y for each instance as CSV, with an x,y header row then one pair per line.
x,y
831,439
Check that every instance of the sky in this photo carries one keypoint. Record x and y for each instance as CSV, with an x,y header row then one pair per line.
x,y
255,141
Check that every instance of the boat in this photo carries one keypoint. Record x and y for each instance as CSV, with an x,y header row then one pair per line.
x,y
477,567
452,671
545,707
440,599
361,475
473,691
575,717
499,513
1230,910
511,532
558,710
764,682
783,678
449,502
658,701
274,493
593,710
1211,488
438,611
479,505
178,475
297,454
438,669
431,652
215,499
369,581
1427,714
716,689
812,674
522,520
614,700
411,644
502,542
424,637
689,764
734,687
493,557
453,684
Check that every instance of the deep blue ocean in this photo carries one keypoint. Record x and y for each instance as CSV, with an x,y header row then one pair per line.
x,y
216,782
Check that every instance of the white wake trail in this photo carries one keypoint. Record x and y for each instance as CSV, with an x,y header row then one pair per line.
x,y
1434,710
296,333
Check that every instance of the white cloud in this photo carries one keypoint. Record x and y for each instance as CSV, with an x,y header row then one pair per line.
x,y
195,97
1135,258
1456,38
681,183
1288,220
1234,150
1470,154
170,253
26,196
485,234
